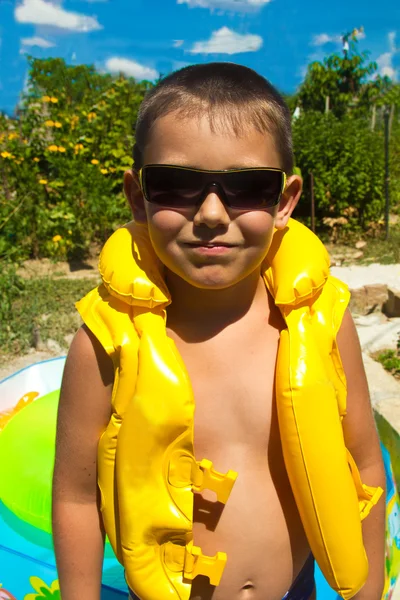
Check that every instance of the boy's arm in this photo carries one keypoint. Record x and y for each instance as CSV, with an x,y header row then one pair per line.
x,y
362,440
84,412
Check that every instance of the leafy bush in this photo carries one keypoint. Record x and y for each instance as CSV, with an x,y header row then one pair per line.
x,y
347,161
62,160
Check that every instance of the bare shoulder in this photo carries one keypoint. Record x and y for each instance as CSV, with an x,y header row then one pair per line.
x,y
358,425
84,412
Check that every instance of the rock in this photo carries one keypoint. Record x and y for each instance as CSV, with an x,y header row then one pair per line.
x,y
391,308
53,346
376,335
368,299
360,244
68,339
357,255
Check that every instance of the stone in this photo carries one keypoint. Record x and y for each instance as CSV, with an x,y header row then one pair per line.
x,y
53,346
361,244
68,339
376,335
368,299
391,308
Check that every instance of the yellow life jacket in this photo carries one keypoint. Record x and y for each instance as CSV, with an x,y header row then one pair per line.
x,y
147,471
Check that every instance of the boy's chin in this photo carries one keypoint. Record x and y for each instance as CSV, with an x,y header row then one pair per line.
x,y
207,278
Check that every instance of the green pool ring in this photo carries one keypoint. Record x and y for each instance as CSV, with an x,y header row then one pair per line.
x,y
28,444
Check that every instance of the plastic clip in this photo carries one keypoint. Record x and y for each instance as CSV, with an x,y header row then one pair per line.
x,y
198,564
205,477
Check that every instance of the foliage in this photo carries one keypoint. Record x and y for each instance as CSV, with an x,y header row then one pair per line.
x,y
349,82
63,156
42,305
390,359
347,162
11,287
62,160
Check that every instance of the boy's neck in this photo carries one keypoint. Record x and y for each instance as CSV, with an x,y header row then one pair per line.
x,y
212,310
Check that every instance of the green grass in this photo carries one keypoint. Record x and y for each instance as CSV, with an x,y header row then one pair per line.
x,y
383,251
43,305
390,359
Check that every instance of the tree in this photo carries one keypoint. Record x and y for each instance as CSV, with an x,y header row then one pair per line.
x,y
346,80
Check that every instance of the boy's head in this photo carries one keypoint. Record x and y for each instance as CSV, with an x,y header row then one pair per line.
x,y
233,98
211,229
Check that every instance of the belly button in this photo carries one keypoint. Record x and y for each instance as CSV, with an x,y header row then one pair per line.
x,y
248,586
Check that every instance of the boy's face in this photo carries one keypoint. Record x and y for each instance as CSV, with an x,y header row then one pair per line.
x,y
211,245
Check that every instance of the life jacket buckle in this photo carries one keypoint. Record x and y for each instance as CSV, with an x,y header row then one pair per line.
x,y
205,477
198,564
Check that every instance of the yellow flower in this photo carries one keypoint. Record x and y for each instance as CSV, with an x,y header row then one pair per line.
x,y
12,136
61,149
53,100
78,148
112,170
42,590
57,124
43,181
36,159
49,123
57,238
91,116
69,231
53,148
6,154
104,171
94,161
74,121
46,99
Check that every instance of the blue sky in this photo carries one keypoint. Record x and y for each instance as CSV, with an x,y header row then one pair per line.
x,y
144,38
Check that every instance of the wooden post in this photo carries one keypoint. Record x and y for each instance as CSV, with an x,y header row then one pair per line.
x,y
386,116
312,203
373,118
326,105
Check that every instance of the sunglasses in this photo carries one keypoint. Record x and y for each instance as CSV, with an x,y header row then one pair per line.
x,y
182,187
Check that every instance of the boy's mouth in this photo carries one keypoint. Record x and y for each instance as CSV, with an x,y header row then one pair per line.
x,y
210,248
214,244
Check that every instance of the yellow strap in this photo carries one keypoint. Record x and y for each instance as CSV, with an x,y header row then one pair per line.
x,y
368,496
205,477
198,564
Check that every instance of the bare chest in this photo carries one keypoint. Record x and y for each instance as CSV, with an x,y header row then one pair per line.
x,y
233,384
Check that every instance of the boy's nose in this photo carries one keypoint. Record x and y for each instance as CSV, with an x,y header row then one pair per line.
x,y
212,212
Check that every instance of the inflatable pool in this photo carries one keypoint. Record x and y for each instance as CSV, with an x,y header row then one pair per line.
x,y
28,411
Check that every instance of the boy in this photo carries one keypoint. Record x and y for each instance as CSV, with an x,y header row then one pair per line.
x,y
212,182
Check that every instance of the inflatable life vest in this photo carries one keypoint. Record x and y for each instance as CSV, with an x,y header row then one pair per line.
x,y
146,464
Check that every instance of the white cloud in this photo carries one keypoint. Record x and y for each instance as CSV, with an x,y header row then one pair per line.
x,y
385,60
178,43
323,38
40,12
392,41
226,41
235,5
131,68
37,41
385,67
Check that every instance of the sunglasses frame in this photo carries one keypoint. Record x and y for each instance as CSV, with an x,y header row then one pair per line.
x,y
222,172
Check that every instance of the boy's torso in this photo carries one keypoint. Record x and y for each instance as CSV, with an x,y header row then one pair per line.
x,y
232,376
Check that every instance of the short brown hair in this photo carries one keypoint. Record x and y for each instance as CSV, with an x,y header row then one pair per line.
x,y
229,94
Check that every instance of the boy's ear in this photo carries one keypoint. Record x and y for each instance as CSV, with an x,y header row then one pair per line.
x,y
289,200
133,193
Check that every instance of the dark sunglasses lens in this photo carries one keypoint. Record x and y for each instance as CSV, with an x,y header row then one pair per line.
x,y
253,189
180,188
173,187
